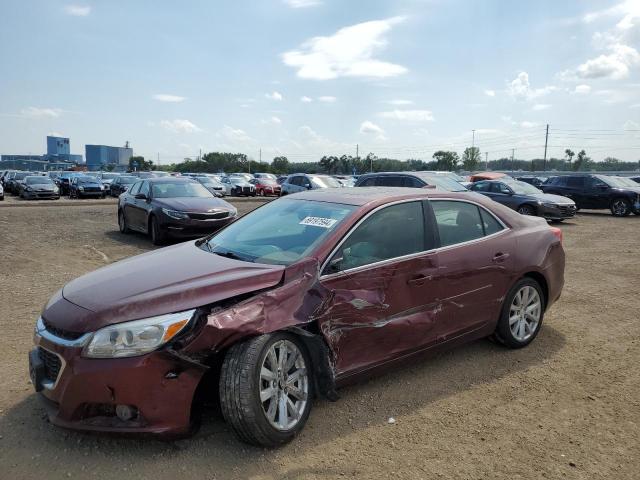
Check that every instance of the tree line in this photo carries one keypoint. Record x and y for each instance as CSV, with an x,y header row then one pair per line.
x,y
443,160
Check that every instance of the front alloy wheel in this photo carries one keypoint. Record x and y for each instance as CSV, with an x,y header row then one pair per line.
x,y
266,389
526,210
122,222
620,207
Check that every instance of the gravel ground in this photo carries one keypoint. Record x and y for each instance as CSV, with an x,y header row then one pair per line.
x,y
568,406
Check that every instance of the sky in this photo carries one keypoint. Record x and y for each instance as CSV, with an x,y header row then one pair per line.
x,y
307,78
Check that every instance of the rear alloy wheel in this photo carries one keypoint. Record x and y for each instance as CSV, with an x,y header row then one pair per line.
x,y
157,235
526,210
620,207
266,389
522,314
122,222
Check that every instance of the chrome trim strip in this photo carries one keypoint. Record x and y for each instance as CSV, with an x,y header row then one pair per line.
x,y
42,331
412,255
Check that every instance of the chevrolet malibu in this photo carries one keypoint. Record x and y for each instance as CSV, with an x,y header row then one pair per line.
x,y
300,297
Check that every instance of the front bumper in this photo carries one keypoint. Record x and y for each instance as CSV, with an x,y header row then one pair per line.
x,y
558,212
159,385
40,195
190,228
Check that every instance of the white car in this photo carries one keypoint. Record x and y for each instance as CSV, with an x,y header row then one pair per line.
x,y
1,192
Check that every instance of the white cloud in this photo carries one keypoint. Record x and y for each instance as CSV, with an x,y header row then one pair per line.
x,y
540,106
180,126
347,53
490,93
400,102
302,3
233,134
165,97
614,65
582,89
273,120
327,99
370,128
631,125
274,96
77,10
630,11
305,99
408,115
527,124
36,112
520,88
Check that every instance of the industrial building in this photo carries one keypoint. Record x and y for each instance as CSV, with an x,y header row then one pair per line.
x,y
99,157
58,157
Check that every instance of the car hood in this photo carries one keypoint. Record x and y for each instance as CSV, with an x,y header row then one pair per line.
x,y
193,204
172,279
42,186
90,184
550,198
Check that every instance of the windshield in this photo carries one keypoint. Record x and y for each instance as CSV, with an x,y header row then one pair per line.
x,y
109,176
161,174
265,176
266,181
618,182
282,232
522,188
86,180
325,182
38,181
445,183
452,176
128,180
208,181
237,181
179,189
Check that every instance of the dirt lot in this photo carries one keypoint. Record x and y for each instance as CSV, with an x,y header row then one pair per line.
x,y
568,406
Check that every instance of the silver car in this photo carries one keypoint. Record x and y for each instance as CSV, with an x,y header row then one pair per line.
x,y
301,182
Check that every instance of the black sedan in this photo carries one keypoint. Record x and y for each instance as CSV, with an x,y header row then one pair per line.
x,y
172,207
86,186
121,184
526,199
37,186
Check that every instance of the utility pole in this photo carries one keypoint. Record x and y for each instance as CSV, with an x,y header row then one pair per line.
x,y
357,151
158,158
200,155
473,138
260,155
486,160
546,139
513,166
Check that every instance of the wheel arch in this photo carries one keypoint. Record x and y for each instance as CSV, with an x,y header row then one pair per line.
x,y
528,204
542,281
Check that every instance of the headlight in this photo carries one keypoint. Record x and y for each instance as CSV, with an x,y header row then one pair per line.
x,y
175,214
138,337
56,190
550,205
81,189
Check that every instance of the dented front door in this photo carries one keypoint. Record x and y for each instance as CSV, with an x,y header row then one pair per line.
x,y
379,313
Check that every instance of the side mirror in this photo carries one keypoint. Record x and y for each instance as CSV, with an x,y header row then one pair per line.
x,y
335,265
308,186
141,196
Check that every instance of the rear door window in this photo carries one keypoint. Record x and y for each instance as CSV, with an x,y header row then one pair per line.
x,y
369,182
575,182
481,187
460,222
135,189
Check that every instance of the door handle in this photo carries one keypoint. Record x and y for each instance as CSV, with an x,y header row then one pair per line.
x,y
419,279
500,257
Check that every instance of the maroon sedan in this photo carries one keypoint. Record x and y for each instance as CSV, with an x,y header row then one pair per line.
x,y
299,297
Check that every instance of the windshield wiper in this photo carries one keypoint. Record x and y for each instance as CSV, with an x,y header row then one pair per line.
x,y
229,254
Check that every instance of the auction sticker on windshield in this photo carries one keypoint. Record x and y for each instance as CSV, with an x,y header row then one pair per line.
x,y
318,222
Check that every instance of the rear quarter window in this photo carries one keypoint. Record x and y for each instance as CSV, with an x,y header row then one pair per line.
x,y
460,222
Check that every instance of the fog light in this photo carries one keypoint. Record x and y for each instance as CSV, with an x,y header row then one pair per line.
x,y
125,412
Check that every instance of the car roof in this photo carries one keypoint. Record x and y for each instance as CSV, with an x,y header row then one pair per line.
x,y
168,180
365,195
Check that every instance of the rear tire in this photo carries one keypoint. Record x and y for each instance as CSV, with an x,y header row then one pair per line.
x,y
521,315
259,397
122,222
620,207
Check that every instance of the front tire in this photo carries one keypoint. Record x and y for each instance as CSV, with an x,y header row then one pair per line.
x,y
158,237
620,207
522,314
266,389
526,210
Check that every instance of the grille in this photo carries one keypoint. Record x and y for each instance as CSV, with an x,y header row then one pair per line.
x,y
51,362
567,209
92,189
208,216
59,332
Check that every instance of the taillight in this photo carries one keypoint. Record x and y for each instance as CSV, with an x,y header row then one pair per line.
x,y
557,232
